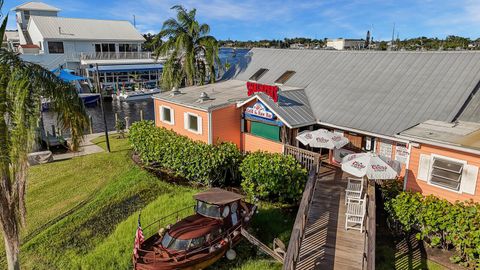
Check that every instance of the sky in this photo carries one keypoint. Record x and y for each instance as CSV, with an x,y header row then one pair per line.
x,y
277,19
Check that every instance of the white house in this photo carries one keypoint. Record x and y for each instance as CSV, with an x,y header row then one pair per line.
x,y
81,44
345,44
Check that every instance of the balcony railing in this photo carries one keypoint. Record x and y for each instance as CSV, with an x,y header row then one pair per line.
x,y
115,55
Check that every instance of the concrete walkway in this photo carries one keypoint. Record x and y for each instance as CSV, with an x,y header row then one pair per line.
x,y
87,147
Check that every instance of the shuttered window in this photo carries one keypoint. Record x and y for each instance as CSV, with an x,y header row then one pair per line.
x,y
265,131
446,173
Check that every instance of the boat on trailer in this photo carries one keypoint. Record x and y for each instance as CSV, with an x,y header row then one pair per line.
x,y
198,240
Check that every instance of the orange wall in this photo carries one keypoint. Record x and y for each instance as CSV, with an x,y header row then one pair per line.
x,y
423,187
226,124
178,125
252,143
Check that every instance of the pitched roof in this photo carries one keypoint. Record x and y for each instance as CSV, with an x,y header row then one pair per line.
x,y
36,6
374,91
471,110
61,28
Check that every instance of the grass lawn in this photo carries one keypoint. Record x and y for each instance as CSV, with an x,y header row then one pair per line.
x,y
82,213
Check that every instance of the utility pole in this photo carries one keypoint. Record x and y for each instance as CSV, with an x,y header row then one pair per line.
x,y
97,81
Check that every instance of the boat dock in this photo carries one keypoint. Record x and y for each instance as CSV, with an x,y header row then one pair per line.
x,y
320,241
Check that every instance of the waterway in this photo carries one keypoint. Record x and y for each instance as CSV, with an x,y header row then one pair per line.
x,y
133,109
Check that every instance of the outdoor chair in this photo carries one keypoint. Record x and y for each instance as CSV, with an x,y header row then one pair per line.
x,y
354,189
355,215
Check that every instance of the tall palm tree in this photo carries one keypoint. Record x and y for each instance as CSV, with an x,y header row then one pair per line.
x,y
191,52
22,85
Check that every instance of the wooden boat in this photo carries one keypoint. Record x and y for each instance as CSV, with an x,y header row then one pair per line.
x,y
199,240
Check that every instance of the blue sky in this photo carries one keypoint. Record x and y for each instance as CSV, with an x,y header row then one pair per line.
x,y
262,19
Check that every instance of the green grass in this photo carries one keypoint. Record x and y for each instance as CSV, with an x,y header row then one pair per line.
x,y
82,213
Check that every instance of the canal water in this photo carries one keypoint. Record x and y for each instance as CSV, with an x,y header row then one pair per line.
x,y
133,109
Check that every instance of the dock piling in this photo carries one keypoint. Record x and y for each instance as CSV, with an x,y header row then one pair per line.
x,y
127,123
141,115
90,119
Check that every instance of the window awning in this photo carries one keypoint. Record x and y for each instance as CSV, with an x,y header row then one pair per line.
x,y
127,68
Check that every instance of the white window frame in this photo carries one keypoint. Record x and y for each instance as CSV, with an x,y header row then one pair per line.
x,y
187,122
172,115
432,156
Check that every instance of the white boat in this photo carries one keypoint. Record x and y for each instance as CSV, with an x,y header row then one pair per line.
x,y
137,94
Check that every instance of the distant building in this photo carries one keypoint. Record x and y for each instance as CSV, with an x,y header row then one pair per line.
x,y
80,44
297,46
346,44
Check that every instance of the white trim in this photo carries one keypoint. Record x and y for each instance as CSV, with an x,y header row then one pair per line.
x,y
187,122
459,191
440,144
365,132
172,115
407,167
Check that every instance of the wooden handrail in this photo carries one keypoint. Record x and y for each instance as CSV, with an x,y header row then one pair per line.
x,y
298,231
370,233
310,160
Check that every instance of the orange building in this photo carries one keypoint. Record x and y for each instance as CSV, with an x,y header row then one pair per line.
x,y
372,98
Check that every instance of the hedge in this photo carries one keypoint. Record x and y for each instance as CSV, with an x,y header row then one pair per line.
x,y
195,161
273,177
440,224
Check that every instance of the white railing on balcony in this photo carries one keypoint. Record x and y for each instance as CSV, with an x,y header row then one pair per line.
x,y
115,55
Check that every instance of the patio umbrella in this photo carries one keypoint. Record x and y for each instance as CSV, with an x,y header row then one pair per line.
x,y
322,138
371,165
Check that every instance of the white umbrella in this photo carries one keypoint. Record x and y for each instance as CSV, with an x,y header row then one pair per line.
x,y
322,138
371,165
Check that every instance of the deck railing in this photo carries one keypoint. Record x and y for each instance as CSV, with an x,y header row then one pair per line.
x,y
115,55
310,160
370,229
298,231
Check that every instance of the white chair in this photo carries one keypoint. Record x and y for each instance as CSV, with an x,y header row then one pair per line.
x,y
355,215
354,189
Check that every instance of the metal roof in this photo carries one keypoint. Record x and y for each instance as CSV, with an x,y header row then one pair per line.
x,y
60,28
292,107
36,6
462,134
471,111
376,91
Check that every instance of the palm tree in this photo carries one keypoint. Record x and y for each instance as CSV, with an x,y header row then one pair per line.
x,y
22,85
191,52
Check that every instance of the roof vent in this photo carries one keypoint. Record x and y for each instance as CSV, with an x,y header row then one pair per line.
x,y
204,97
175,91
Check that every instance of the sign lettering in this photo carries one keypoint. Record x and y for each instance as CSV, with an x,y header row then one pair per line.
x,y
270,90
258,109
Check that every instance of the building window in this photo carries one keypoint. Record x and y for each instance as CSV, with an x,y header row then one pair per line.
x,y
193,123
26,14
128,47
258,74
108,47
446,173
285,77
55,47
166,115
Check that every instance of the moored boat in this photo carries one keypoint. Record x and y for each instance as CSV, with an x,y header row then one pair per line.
x,y
200,239
138,94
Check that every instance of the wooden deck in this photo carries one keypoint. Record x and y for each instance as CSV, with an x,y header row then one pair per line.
x,y
326,244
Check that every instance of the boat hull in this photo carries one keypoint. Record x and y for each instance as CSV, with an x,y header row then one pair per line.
x,y
138,95
89,99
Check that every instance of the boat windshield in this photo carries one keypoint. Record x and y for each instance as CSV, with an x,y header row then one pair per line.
x,y
208,210
173,243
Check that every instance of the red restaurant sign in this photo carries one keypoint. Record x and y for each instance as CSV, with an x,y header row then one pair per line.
x,y
270,90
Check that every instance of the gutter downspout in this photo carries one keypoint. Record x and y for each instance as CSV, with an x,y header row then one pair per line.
x,y
210,135
407,167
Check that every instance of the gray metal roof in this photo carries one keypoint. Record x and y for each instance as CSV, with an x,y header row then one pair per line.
x,y
292,107
471,111
61,28
374,91
221,93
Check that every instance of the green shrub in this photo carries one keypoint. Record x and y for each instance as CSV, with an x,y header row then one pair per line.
x,y
195,161
441,224
273,177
